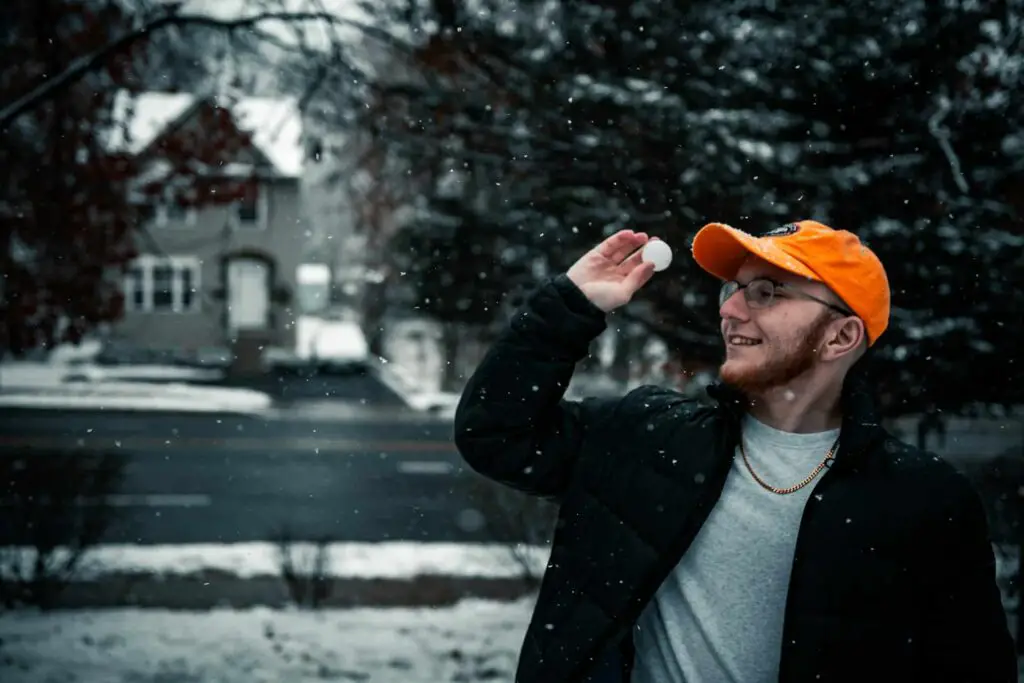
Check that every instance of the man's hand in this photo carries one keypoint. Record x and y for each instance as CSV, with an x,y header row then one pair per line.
x,y
612,272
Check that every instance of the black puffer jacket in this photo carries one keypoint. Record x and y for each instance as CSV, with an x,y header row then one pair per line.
x,y
906,593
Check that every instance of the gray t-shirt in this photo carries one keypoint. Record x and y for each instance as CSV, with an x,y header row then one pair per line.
x,y
718,616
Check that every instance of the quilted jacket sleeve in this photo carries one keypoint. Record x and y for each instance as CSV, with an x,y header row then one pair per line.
x,y
512,424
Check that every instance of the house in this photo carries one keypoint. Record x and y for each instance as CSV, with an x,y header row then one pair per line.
x,y
218,255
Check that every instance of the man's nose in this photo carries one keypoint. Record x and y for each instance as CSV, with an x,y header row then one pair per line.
x,y
735,307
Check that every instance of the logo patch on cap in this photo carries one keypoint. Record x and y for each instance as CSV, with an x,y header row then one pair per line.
x,y
788,229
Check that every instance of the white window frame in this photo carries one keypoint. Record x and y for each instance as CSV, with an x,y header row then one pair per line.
x,y
147,263
160,212
262,211
130,287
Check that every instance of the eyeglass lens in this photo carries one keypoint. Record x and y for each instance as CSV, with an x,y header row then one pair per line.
x,y
758,293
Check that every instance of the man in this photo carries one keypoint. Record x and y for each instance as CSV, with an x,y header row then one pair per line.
x,y
776,533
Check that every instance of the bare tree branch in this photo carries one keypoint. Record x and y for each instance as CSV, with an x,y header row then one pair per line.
x,y
83,65
941,135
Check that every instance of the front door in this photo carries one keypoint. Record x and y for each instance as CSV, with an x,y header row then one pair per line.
x,y
248,294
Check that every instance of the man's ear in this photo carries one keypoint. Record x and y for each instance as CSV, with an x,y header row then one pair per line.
x,y
845,338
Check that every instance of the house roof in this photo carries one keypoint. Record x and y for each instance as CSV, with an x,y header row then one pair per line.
x,y
275,123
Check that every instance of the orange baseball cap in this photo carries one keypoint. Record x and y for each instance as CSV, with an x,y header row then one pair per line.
x,y
836,258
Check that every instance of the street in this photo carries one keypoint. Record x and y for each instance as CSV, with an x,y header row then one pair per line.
x,y
194,478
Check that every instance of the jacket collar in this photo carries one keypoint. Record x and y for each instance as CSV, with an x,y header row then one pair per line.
x,y
860,426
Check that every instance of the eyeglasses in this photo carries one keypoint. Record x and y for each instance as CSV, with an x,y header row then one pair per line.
x,y
762,292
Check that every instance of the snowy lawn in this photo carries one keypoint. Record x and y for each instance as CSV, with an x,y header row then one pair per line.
x,y
137,396
36,375
143,373
472,641
391,560
417,393
90,387
65,367
439,403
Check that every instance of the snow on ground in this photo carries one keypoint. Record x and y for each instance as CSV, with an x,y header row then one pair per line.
x,y
475,640
136,396
472,641
34,375
388,559
143,372
92,387
414,365
418,393
86,351
330,340
437,402
395,560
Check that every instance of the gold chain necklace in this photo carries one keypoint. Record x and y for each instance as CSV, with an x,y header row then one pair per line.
x,y
827,462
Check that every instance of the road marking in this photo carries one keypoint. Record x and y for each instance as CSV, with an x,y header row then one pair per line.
x,y
424,467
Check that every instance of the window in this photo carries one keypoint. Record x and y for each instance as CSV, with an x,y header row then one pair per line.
x,y
172,213
154,283
176,211
167,210
134,292
248,210
163,286
251,210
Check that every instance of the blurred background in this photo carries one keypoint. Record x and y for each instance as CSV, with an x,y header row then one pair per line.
x,y
252,250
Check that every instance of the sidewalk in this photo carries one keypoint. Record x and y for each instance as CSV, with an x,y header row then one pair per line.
x,y
85,386
135,396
